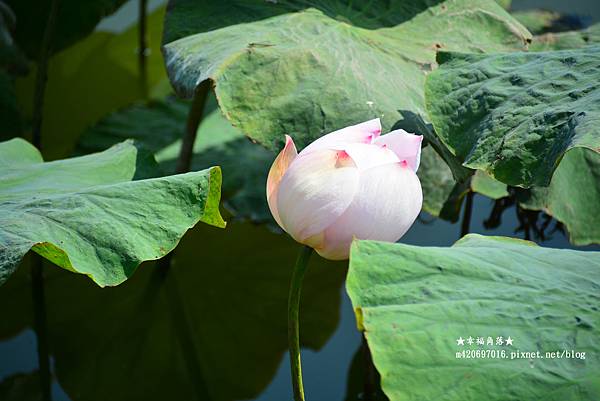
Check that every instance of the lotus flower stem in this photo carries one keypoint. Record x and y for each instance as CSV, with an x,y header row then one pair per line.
x,y
293,322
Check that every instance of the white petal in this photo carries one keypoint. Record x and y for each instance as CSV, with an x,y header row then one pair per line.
x,y
387,202
278,169
315,191
406,146
368,156
360,133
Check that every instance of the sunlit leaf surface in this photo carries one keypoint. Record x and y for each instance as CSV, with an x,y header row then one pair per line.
x,y
306,68
414,303
86,215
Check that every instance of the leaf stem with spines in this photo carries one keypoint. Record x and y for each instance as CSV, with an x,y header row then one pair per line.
x,y
293,321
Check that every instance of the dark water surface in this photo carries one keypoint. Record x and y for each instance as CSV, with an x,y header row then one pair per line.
x,y
214,325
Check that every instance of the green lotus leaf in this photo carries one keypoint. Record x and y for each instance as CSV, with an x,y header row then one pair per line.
x,y
515,115
485,185
308,68
86,215
212,327
415,303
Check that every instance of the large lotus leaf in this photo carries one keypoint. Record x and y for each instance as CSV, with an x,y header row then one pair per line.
x,y
306,68
573,196
566,40
71,92
159,127
213,327
87,215
415,303
75,19
515,115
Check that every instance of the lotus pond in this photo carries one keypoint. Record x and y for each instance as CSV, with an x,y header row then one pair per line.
x,y
132,267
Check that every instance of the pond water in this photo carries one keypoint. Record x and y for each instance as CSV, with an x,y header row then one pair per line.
x,y
213,326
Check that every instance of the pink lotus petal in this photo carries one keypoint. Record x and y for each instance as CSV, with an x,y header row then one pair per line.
x,y
368,156
406,146
278,169
315,191
386,204
360,133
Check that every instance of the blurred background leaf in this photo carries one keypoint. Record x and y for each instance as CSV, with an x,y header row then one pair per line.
x,y
76,19
91,79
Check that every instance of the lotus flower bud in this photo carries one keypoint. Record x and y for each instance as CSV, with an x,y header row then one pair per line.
x,y
351,183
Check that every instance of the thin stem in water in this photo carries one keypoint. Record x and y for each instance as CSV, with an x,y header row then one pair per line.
x,y
369,371
143,47
293,321
39,325
466,221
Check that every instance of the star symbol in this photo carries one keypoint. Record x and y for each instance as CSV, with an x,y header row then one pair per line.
x,y
460,341
509,341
